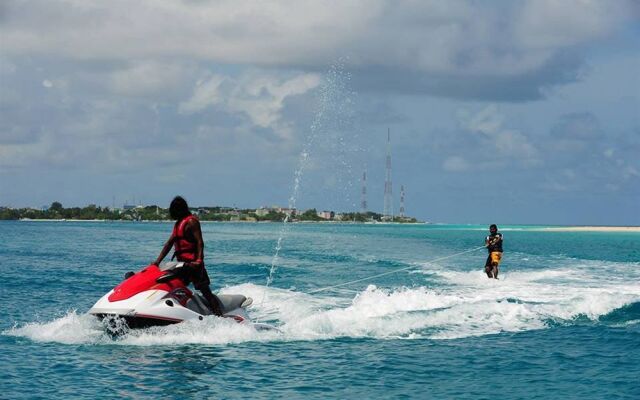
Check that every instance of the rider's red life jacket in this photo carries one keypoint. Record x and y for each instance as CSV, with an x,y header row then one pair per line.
x,y
185,249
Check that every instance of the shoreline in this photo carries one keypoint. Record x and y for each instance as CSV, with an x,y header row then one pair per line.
x,y
569,228
215,222
591,229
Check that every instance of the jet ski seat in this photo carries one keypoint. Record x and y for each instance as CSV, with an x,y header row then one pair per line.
x,y
232,301
229,302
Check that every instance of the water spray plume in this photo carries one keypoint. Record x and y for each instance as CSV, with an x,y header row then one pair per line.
x,y
331,94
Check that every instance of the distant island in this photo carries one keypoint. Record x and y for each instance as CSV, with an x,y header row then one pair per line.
x,y
93,212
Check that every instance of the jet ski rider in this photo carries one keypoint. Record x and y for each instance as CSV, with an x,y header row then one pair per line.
x,y
186,238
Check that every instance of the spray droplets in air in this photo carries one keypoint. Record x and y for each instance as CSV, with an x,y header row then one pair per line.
x,y
333,116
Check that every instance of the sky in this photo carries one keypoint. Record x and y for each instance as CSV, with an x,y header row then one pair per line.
x,y
507,112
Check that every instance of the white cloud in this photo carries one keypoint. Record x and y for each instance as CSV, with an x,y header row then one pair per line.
x,y
148,77
488,120
260,97
498,140
206,93
59,83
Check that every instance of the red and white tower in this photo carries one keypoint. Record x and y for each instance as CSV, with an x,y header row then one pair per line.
x,y
401,201
363,199
388,191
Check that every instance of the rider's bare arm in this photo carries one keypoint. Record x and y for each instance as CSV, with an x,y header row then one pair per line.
x,y
165,250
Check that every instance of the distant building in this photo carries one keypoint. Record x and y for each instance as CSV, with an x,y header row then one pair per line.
x,y
262,211
290,211
326,214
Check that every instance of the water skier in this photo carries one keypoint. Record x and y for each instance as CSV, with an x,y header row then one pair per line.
x,y
493,242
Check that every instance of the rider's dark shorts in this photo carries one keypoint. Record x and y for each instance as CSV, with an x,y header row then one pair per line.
x,y
199,277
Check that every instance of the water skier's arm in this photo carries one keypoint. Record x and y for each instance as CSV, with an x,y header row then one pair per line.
x,y
491,242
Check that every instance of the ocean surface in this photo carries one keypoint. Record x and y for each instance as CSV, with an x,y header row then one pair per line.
x,y
563,321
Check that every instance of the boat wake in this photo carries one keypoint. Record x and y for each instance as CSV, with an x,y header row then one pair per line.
x,y
451,304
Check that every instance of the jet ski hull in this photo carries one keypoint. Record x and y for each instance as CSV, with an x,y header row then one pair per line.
x,y
141,302
138,321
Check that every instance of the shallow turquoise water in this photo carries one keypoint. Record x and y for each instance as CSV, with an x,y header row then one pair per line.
x,y
563,322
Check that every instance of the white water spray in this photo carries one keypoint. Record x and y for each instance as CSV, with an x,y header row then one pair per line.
x,y
332,89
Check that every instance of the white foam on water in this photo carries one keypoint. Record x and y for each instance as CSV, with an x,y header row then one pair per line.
x,y
526,299
468,304
210,331
372,313
281,305
72,328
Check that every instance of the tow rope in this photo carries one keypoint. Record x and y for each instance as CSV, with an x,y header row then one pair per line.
x,y
394,271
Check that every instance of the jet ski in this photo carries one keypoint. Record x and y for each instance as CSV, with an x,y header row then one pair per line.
x,y
158,295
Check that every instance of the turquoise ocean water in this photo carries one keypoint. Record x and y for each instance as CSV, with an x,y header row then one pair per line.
x,y
563,322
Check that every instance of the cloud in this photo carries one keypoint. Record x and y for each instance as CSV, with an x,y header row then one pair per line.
x,y
260,97
206,93
547,23
497,140
575,136
101,130
558,69
378,113
581,156
150,78
500,51
577,126
20,155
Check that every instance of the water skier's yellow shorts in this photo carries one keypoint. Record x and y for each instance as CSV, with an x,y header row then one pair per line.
x,y
496,257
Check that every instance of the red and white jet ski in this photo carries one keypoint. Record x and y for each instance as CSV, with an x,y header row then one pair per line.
x,y
158,296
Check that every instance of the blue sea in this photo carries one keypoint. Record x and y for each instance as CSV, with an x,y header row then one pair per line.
x,y
563,322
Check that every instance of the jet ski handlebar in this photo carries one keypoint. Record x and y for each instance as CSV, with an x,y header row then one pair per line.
x,y
173,270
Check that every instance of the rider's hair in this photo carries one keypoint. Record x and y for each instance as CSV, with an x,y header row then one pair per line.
x,y
178,208
493,226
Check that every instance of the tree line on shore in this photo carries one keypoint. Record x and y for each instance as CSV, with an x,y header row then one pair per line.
x,y
155,213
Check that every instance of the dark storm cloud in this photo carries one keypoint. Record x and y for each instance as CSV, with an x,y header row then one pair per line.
x,y
499,51
562,68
